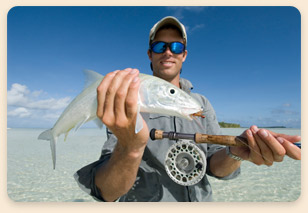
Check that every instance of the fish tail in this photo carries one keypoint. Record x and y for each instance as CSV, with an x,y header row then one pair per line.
x,y
47,135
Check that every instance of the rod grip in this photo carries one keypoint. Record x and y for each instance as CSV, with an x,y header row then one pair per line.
x,y
156,134
226,140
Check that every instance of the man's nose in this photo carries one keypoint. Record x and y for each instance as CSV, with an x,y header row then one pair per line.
x,y
168,51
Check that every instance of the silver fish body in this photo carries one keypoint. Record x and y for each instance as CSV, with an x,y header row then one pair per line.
x,y
158,96
155,96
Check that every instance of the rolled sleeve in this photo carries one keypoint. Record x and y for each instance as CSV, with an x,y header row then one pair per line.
x,y
85,177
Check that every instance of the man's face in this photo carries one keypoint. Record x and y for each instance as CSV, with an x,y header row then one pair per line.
x,y
167,65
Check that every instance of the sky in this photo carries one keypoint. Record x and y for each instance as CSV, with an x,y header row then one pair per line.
x,y
245,60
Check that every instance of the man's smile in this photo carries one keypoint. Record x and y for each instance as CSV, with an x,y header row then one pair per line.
x,y
167,63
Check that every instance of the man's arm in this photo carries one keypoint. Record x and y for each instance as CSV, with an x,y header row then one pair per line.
x,y
264,147
117,98
222,165
118,175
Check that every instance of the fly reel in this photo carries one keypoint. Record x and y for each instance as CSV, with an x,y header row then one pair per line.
x,y
185,163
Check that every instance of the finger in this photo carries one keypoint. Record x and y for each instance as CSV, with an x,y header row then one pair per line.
x,y
290,138
291,150
101,92
132,98
121,95
109,105
277,149
255,153
264,149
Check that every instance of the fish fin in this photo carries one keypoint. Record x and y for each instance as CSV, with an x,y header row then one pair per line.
x,y
66,134
139,122
53,142
81,123
47,135
99,123
91,77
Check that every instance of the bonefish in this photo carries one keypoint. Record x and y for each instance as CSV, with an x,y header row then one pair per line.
x,y
155,96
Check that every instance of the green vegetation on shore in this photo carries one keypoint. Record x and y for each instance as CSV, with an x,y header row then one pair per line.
x,y
232,125
229,125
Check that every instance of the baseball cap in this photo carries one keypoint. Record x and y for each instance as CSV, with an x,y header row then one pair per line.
x,y
168,20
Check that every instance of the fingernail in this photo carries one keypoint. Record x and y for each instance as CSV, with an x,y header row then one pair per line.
x,y
133,71
112,74
249,132
280,140
255,129
263,132
135,79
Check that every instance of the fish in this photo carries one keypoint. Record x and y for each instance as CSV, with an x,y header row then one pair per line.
x,y
155,95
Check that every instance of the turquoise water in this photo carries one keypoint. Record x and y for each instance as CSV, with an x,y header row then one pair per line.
x,y
30,176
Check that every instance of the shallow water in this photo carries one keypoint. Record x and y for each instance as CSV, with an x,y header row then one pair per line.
x,y
30,176
281,182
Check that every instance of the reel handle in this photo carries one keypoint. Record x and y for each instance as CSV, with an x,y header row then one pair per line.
x,y
226,140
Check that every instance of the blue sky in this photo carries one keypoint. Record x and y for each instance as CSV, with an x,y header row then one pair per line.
x,y
245,60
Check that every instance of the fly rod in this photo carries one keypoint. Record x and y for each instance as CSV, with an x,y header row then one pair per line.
x,y
226,140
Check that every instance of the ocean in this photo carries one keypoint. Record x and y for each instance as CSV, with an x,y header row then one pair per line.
x,y
31,178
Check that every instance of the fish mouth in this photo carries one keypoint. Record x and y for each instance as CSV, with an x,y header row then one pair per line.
x,y
197,114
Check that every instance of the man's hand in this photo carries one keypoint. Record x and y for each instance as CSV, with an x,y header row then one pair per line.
x,y
117,98
117,106
267,147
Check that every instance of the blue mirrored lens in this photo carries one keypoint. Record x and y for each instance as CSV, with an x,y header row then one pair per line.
x,y
175,47
159,47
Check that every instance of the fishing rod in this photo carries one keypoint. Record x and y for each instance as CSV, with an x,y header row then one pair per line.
x,y
226,140
185,162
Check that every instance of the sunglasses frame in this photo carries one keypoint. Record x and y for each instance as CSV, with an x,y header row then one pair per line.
x,y
168,44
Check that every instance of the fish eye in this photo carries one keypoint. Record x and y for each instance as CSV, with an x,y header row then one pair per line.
x,y
172,91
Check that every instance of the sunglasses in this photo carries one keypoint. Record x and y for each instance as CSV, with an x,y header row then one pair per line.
x,y
160,47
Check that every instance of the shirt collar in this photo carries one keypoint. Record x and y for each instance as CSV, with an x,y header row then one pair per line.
x,y
186,85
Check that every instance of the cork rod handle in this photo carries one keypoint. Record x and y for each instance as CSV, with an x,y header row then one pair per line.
x,y
226,140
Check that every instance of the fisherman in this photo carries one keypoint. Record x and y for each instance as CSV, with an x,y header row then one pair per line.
x,y
131,166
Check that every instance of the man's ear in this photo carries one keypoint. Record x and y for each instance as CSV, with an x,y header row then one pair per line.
x,y
184,55
150,54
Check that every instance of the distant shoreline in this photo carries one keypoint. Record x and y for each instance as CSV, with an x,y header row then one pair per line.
x,y
233,125
273,127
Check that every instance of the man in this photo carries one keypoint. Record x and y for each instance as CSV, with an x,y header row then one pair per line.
x,y
131,167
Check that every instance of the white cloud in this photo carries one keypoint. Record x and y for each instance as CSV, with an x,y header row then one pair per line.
x,y
33,108
285,109
20,96
20,112
17,94
194,28
179,11
49,104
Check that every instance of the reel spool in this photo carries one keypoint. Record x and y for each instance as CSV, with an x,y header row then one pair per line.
x,y
185,163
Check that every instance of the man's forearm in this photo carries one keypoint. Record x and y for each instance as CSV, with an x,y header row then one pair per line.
x,y
116,178
222,165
